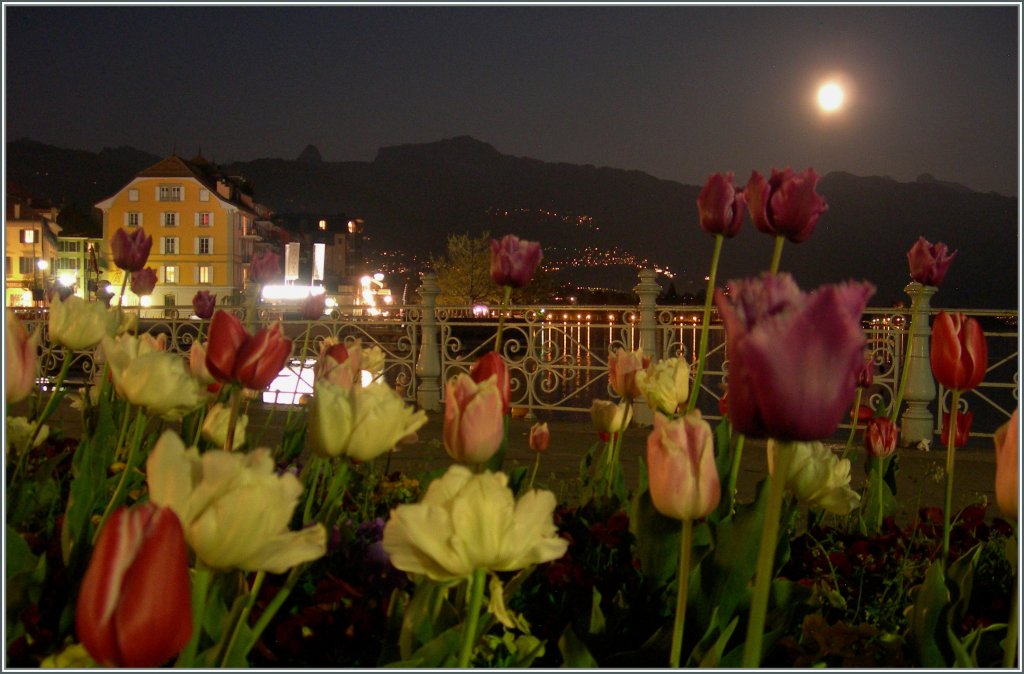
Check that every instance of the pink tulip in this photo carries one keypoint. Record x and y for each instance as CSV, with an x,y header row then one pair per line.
x,y
338,365
963,429
1007,459
474,424
143,281
793,357
786,205
959,353
135,608
130,251
20,359
682,476
880,437
203,303
622,368
262,357
493,364
929,262
540,436
720,206
264,267
513,261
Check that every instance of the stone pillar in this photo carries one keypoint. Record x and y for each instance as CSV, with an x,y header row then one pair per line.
x,y
647,290
917,422
428,364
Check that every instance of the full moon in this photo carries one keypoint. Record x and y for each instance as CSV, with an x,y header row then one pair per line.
x,y
830,97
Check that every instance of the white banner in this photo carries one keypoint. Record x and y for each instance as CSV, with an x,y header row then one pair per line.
x,y
318,261
291,261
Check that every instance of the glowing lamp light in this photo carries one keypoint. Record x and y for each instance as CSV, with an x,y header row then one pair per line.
x,y
146,300
292,292
67,280
43,265
480,310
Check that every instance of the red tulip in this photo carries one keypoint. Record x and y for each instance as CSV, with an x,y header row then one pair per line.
x,y
143,281
793,357
313,307
130,251
1007,441
261,357
539,438
720,206
786,205
929,263
513,261
203,303
135,608
493,364
227,335
963,429
880,437
959,354
264,267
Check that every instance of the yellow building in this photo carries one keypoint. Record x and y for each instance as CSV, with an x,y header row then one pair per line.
x,y
31,252
203,226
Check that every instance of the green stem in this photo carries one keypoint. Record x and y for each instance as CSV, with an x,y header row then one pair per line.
x,y
766,557
950,457
122,432
51,405
229,439
895,410
533,474
200,587
124,284
879,470
118,494
776,255
854,422
703,348
506,298
277,601
476,598
734,471
243,617
311,488
683,580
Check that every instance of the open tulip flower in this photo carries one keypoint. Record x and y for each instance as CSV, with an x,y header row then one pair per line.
x,y
135,608
929,262
959,353
19,358
514,260
682,476
793,357
77,324
474,424
786,205
233,355
665,385
130,251
467,522
816,477
149,377
720,206
1007,440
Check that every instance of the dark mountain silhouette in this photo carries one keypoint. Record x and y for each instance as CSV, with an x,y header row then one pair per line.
x,y
412,196
310,155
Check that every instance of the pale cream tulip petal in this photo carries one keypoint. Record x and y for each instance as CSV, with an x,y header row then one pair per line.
x,y
169,474
419,540
282,552
482,519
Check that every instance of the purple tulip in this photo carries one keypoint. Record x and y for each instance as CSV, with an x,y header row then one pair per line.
x,y
720,206
313,307
131,250
203,303
513,261
264,267
929,262
143,281
793,357
786,205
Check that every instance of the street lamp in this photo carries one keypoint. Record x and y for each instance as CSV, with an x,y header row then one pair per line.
x,y
43,265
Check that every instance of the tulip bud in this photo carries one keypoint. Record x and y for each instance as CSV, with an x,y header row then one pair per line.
x,y
959,354
513,261
337,365
203,303
494,365
1007,460
880,437
135,608
20,358
474,424
963,429
610,418
264,267
866,375
313,307
539,437
143,281
786,205
720,206
929,262
681,472
130,251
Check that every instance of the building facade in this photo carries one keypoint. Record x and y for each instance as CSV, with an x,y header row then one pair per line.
x,y
203,225
31,251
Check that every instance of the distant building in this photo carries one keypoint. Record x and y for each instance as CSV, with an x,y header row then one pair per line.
x,y
205,227
31,250
342,238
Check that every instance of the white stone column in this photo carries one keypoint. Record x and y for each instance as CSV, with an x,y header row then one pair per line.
x,y
917,422
428,364
647,290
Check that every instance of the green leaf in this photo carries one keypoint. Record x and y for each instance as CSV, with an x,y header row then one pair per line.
x,y
931,599
597,621
657,539
441,651
574,653
424,617
23,573
712,656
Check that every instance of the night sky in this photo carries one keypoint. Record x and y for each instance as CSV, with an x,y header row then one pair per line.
x,y
676,91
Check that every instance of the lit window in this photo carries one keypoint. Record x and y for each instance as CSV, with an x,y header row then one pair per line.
x,y
170,219
204,219
323,225
171,274
205,274
28,236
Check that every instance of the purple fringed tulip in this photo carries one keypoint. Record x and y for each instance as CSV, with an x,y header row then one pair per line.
x,y
793,357
786,205
929,262
264,267
682,476
514,260
720,206
959,354
143,281
130,251
203,303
